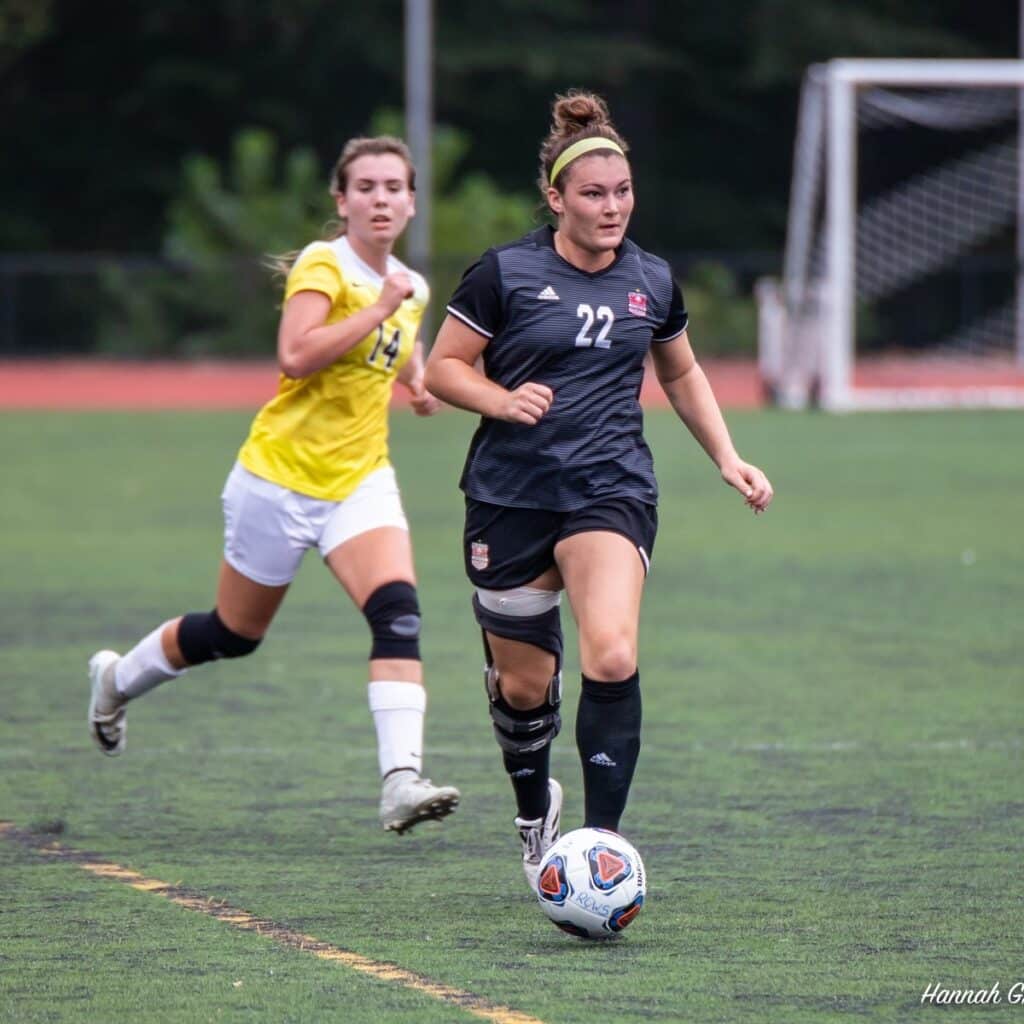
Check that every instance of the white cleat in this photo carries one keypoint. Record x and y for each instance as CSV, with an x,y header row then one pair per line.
x,y
107,717
406,800
538,835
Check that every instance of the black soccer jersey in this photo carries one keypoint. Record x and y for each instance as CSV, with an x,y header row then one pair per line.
x,y
585,336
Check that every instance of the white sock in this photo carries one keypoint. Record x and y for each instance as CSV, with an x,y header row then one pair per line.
x,y
144,666
398,710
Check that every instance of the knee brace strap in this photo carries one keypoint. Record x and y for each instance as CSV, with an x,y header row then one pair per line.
x,y
523,732
543,630
393,613
202,636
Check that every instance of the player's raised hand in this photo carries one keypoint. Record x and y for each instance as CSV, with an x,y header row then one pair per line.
x,y
396,289
750,482
527,404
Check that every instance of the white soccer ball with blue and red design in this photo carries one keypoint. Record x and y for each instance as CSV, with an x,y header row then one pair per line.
x,y
592,883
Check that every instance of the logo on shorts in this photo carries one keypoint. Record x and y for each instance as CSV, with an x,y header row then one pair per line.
x,y
637,302
479,555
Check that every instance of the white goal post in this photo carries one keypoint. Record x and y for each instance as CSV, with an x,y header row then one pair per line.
x,y
903,279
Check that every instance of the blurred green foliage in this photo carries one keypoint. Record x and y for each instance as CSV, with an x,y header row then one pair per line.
x,y
705,93
723,321
217,294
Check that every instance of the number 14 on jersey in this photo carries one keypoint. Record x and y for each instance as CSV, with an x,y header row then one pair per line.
x,y
389,349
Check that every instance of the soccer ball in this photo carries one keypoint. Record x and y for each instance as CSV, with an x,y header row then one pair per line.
x,y
592,883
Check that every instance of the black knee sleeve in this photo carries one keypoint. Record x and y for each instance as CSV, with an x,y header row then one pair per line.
x,y
202,636
393,613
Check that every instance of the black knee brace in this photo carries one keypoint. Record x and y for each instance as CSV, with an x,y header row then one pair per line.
x,y
393,613
523,732
543,630
202,636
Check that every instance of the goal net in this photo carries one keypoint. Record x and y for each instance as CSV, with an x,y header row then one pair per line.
x,y
903,282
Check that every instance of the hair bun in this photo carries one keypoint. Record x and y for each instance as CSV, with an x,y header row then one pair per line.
x,y
577,111
575,116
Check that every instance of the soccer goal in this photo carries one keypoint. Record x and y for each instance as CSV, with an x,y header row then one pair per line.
x,y
903,281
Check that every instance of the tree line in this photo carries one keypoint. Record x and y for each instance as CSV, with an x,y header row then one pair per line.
x,y
128,126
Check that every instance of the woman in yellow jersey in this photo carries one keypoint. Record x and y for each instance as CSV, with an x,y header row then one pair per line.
x,y
314,472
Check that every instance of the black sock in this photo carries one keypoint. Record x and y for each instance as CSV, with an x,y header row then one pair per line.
x,y
528,773
608,739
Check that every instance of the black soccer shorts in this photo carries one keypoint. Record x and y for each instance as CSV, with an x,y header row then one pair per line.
x,y
510,547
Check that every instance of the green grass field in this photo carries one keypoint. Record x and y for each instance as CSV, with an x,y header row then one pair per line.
x,y
830,799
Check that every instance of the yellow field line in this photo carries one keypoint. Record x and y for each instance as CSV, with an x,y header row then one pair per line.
x,y
472,1004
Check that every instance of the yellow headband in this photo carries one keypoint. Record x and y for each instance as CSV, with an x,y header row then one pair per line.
x,y
578,149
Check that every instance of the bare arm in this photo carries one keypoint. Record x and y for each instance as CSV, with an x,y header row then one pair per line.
x,y
453,376
307,343
691,396
411,375
413,367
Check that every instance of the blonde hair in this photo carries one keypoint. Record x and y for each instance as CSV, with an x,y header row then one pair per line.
x,y
575,116
377,145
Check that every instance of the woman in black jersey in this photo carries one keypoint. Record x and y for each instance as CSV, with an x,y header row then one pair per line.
x,y
559,482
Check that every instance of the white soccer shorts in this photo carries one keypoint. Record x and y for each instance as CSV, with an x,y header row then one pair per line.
x,y
268,528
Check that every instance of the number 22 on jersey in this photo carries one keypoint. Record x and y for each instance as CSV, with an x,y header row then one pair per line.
x,y
604,316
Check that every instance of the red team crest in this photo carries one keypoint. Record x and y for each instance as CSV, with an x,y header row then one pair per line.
x,y
637,303
479,555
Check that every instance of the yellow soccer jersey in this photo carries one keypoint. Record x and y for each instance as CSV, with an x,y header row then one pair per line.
x,y
323,434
